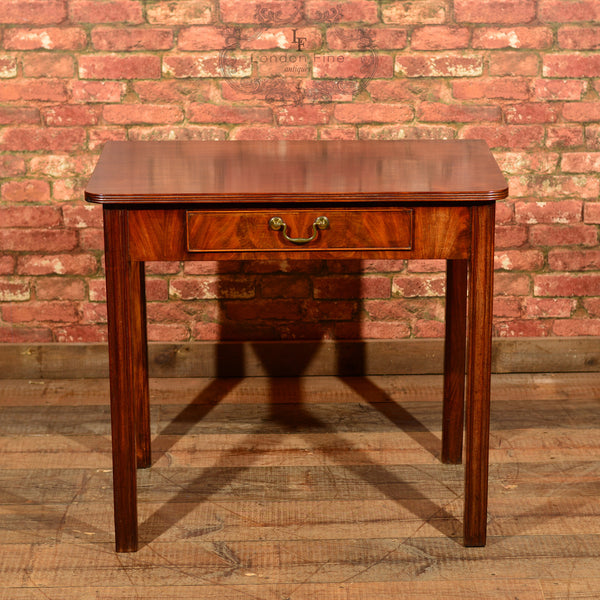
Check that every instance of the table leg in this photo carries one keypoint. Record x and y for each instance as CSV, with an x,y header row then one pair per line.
x,y
454,361
479,361
122,285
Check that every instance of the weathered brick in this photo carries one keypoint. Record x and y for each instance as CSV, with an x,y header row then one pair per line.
x,y
32,12
32,90
36,240
513,64
48,38
512,284
427,12
519,260
515,137
69,115
175,92
579,38
367,330
437,111
494,11
43,64
59,139
62,165
60,288
211,287
25,335
561,211
274,133
428,329
418,285
558,89
557,235
562,11
591,212
97,91
182,12
141,113
127,39
439,65
510,236
370,113
208,64
580,162
167,332
11,166
112,11
11,115
115,66
571,65
543,308
267,12
57,264
527,162
82,215
303,115
554,186
405,132
260,309
576,327
86,334
508,88
204,38
505,306
30,216
346,287
592,305
8,66
581,111
7,264
40,311
529,328
362,66
326,11
531,112
494,38
213,113
184,132
561,259
440,38
14,290
350,38
26,190
564,136
337,133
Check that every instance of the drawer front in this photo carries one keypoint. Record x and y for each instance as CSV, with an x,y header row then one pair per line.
x,y
302,230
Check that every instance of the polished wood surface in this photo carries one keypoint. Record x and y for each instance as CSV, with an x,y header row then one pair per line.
x,y
214,200
233,172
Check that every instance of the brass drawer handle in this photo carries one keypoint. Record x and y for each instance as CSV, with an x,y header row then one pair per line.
x,y
277,223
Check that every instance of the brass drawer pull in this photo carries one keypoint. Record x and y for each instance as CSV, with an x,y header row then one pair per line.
x,y
277,223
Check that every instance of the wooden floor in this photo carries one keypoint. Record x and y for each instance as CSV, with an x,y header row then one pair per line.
x,y
311,489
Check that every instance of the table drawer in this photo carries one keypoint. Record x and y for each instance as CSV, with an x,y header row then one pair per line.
x,y
301,230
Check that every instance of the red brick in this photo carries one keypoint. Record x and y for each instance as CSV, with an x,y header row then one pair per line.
x,y
10,115
208,64
124,114
426,266
87,334
61,165
350,38
274,133
112,11
592,305
559,185
97,91
57,264
384,310
512,284
514,137
31,90
303,115
8,66
369,113
418,285
81,215
502,88
564,136
561,11
438,65
571,65
184,132
29,216
591,212
558,89
505,306
326,11
574,260
29,139
543,308
334,310
14,290
11,166
166,332
494,11
60,288
511,64
25,335
580,162
335,287
576,327
210,287
463,113
428,12
68,115
49,38
203,38
362,66
494,38
405,132
168,91
518,260
567,284
134,66
428,329
27,190
62,312
367,330
32,12
582,111
261,11
259,309
213,113
337,133
579,38
309,38
522,328
405,89
7,265
35,240
124,39
558,211
504,212
592,136
510,236
572,235
440,38
37,64
527,162
182,12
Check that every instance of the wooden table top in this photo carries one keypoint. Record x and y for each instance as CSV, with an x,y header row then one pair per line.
x,y
247,172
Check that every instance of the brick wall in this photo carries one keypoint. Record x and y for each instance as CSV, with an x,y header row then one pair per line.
x,y
522,74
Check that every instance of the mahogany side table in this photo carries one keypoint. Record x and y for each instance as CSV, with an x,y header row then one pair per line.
x,y
194,200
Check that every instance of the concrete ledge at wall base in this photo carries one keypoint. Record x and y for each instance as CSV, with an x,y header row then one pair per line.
x,y
347,358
